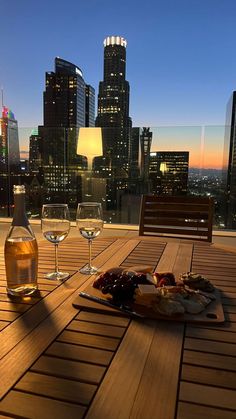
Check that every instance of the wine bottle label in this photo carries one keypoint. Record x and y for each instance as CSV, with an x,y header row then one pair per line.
x,y
23,271
21,260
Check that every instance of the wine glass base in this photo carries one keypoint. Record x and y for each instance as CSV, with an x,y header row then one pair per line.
x,y
88,270
57,275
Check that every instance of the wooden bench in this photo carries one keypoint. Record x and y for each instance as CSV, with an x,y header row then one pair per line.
x,y
176,216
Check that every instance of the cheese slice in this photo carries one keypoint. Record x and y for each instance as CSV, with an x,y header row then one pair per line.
x,y
145,294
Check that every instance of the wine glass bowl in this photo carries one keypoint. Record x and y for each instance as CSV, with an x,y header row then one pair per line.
x,y
89,223
55,225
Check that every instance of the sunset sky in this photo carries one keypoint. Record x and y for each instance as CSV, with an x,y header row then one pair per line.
x,y
181,64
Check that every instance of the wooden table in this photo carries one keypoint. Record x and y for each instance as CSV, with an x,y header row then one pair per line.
x,y
59,362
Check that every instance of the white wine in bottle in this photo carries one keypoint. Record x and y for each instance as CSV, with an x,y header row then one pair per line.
x,y
21,250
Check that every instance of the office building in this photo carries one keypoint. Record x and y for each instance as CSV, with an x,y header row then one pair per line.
x,y
89,106
113,107
145,148
230,163
64,96
65,112
35,151
9,142
168,172
9,158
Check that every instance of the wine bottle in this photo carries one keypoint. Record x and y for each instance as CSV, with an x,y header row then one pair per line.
x,y
21,250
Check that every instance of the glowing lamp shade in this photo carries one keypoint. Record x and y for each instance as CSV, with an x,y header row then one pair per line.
x,y
90,144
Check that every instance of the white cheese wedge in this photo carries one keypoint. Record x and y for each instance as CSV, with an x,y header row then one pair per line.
x,y
145,294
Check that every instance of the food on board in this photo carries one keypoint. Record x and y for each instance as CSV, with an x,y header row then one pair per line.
x,y
157,291
196,281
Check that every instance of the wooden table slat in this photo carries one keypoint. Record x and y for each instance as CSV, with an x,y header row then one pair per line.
x,y
206,395
81,371
59,388
103,318
161,372
100,342
96,329
124,374
80,353
204,375
210,360
196,411
209,334
31,406
210,346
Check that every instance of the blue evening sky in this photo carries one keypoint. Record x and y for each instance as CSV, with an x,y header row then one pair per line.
x,y
181,61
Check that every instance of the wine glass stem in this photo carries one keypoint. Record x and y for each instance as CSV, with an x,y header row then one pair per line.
x,y
90,252
56,258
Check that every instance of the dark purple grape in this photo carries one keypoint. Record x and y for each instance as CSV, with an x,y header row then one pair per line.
x,y
141,278
96,284
106,275
107,289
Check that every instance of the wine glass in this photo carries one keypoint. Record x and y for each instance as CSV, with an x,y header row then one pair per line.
x,y
89,223
55,225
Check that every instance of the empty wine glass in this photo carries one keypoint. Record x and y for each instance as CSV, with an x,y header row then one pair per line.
x,y
89,223
55,225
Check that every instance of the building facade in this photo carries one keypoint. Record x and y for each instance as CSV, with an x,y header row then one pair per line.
x,y
64,96
168,172
230,163
9,142
9,158
65,112
89,106
113,107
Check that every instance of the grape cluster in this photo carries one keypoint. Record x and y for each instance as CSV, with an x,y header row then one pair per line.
x,y
120,286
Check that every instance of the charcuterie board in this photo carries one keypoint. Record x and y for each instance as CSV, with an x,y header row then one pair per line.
x,y
213,313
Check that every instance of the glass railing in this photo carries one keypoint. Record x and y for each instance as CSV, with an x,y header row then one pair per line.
x,y
117,166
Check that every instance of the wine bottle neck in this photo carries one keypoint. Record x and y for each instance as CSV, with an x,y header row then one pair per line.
x,y
19,215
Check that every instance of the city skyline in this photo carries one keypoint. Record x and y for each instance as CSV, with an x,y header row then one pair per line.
x,y
180,63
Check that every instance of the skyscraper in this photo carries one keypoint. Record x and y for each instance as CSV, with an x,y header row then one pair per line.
x,y
145,144
230,162
64,96
168,172
89,106
9,158
113,107
35,155
9,142
64,113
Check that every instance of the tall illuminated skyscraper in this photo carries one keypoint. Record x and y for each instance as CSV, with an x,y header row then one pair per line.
x,y
65,96
89,106
9,142
230,162
9,158
66,109
113,107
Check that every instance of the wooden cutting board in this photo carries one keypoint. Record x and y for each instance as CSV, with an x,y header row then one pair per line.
x,y
213,313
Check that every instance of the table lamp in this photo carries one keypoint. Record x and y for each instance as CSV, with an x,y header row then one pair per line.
x,y
90,144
